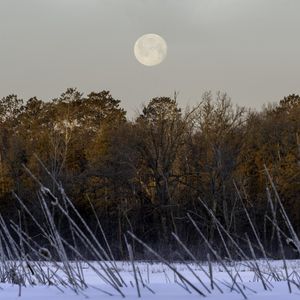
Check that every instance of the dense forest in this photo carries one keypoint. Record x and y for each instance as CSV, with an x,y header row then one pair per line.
x,y
145,175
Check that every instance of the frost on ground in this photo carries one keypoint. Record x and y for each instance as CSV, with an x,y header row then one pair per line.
x,y
157,281
61,271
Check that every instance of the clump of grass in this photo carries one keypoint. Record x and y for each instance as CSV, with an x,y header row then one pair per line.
x,y
24,261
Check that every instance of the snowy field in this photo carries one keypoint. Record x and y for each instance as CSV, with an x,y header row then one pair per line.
x,y
158,281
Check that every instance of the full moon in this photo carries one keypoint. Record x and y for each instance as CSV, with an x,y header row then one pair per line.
x,y
150,49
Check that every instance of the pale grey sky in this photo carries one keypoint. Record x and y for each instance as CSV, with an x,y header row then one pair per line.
x,y
248,48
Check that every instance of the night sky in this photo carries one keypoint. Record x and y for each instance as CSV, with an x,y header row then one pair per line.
x,y
247,48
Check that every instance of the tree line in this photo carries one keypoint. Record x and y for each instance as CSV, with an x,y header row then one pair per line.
x,y
145,175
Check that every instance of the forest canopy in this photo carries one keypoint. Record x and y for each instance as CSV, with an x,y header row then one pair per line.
x,y
146,174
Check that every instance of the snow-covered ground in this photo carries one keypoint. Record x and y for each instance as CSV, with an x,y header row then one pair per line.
x,y
165,284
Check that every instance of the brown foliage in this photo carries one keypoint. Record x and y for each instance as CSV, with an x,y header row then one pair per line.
x,y
147,174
